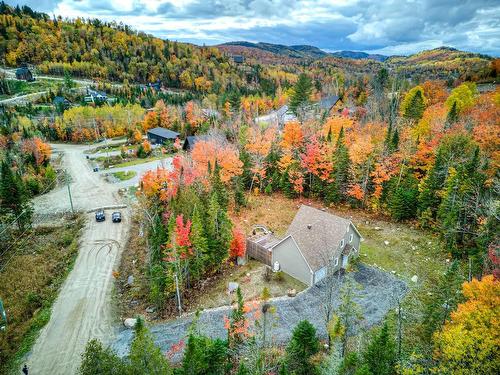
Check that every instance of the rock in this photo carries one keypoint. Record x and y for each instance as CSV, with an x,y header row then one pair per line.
x,y
130,280
248,274
130,323
232,286
150,310
377,228
367,222
414,278
386,243
393,272
291,293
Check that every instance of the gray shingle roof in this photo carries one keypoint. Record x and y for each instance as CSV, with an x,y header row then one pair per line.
x,y
318,234
164,133
328,102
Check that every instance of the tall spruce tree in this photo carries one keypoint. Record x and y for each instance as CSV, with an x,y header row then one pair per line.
x,y
302,346
200,244
14,198
380,355
338,188
452,116
301,93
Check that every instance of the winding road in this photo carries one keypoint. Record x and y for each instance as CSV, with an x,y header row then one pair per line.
x,y
83,309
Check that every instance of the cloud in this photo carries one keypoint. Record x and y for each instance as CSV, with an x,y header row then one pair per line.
x,y
389,26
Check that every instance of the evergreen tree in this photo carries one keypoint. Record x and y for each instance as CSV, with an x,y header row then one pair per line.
x,y
145,357
413,105
303,345
338,188
200,244
218,228
452,116
403,198
301,93
99,360
395,140
14,198
380,354
204,355
219,188
444,298
239,195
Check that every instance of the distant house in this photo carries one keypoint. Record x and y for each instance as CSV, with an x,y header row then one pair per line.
x,y
329,104
191,140
61,102
278,117
238,59
95,96
155,85
23,73
316,243
159,136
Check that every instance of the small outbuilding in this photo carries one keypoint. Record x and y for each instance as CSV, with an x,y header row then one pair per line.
x,y
23,73
316,244
159,136
61,102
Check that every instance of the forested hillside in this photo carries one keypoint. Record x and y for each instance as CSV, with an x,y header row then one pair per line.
x,y
108,51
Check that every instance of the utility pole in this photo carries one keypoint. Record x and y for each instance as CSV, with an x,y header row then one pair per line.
x,y
69,192
178,294
3,315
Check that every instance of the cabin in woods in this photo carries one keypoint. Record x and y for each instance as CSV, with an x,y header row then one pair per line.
x,y
23,73
160,136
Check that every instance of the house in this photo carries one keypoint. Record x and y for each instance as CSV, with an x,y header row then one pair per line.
x,y
94,96
159,136
278,117
238,59
23,73
329,104
61,102
316,243
191,140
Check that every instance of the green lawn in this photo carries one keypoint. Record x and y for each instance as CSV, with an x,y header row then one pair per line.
x,y
18,88
124,175
137,161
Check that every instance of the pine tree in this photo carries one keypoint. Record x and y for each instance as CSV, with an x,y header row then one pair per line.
x,y
301,93
239,195
219,188
341,161
444,298
99,360
218,228
452,116
395,140
200,244
403,198
145,357
303,345
380,354
204,355
14,198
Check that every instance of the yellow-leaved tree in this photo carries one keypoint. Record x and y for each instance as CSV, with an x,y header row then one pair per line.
x,y
469,343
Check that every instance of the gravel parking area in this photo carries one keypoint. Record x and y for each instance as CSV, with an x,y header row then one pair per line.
x,y
374,296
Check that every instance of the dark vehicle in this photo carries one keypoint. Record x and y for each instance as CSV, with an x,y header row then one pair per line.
x,y
96,169
99,215
116,217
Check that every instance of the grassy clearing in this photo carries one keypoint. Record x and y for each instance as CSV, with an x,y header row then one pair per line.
x,y
137,161
124,175
18,88
29,285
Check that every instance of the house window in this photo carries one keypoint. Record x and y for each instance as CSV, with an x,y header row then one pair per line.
x,y
342,243
336,262
351,236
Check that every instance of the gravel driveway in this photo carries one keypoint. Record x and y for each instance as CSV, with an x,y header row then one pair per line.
x,y
374,297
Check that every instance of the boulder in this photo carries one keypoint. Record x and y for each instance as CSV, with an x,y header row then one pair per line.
x,y
130,280
150,310
232,286
130,323
414,278
291,293
386,243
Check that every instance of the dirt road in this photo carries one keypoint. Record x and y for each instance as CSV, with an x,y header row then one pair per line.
x,y
83,309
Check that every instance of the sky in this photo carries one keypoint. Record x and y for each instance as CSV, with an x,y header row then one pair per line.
x,y
382,26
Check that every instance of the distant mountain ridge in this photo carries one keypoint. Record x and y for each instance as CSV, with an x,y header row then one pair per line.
x,y
305,51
